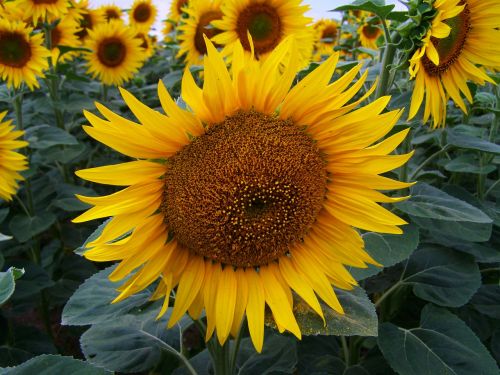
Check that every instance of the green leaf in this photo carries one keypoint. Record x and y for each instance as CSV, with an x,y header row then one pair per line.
x,y
45,136
481,252
91,303
468,163
437,211
471,143
54,364
487,300
279,356
360,317
442,276
130,344
387,249
4,237
7,283
24,227
442,344
495,345
375,6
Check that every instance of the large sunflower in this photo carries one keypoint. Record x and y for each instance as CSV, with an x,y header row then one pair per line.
x,y
39,10
268,23
11,162
142,15
463,35
250,194
64,34
116,53
201,14
23,57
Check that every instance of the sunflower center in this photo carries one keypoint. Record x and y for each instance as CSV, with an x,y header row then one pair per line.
x,y
15,50
55,36
370,31
329,34
85,23
450,48
44,1
142,13
111,52
111,14
204,28
263,23
245,191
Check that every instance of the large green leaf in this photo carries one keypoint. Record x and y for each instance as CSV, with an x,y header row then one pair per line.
x,y
469,142
375,6
387,249
45,136
442,344
442,276
52,365
134,343
360,317
487,300
91,303
7,283
24,227
437,211
468,163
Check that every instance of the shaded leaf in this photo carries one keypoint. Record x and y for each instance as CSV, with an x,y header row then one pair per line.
x,y
24,227
54,364
7,283
375,6
487,300
471,143
45,136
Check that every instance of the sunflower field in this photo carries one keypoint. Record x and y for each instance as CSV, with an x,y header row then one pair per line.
x,y
249,190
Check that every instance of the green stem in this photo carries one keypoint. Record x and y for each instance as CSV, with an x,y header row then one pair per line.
x,y
387,60
345,349
490,189
236,348
428,160
104,92
387,293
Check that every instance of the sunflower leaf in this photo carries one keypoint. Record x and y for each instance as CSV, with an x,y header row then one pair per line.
x,y
55,364
442,344
360,317
375,6
7,283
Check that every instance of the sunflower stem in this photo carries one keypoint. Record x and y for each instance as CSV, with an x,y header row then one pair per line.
x,y
104,92
428,160
345,349
387,60
235,349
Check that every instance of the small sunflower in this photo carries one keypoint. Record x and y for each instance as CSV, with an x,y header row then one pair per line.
x,y
64,34
116,53
327,32
251,193
11,162
463,35
142,15
39,10
23,57
88,18
268,23
168,30
177,9
110,12
369,33
192,44
147,44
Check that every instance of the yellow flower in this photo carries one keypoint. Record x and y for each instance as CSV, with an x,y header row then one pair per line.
x,y
251,193
369,34
177,8
41,9
268,23
463,35
327,32
142,15
110,12
88,18
167,31
11,162
147,44
201,14
23,57
116,53
64,34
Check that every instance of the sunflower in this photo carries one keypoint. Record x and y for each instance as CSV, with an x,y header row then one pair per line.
x,y
168,30
201,14
64,34
11,162
110,12
327,32
88,18
22,55
463,35
369,34
177,9
116,53
147,44
268,23
252,192
142,15
39,10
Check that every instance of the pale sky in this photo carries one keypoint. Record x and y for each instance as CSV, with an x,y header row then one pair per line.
x,y
319,8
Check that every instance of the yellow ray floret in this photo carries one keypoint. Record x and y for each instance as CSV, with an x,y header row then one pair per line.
x,y
219,203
